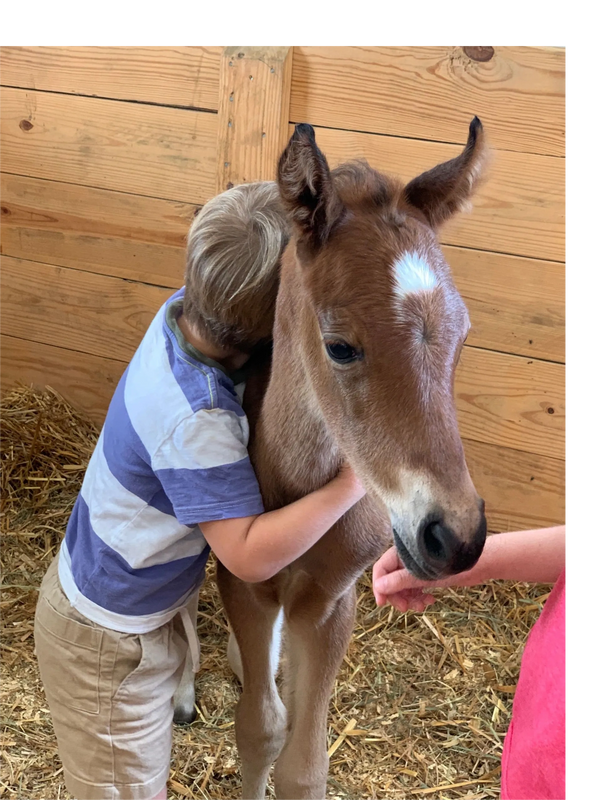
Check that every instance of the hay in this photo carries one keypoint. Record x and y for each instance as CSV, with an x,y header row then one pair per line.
x,y
420,707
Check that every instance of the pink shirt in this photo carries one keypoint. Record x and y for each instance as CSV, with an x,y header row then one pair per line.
x,y
533,760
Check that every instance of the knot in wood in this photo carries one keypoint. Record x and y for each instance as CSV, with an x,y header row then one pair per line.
x,y
479,53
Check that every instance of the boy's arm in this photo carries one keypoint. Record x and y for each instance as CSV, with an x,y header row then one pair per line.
x,y
258,547
534,556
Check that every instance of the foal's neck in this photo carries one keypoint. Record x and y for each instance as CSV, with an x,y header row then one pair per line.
x,y
295,438
293,434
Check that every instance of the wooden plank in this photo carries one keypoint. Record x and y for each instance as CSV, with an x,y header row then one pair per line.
x,y
519,210
516,305
130,147
432,92
86,381
253,113
76,310
545,44
112,233
175,76
505,400
520,490
511,401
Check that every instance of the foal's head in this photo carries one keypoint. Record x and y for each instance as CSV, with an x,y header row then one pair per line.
x,y
382,326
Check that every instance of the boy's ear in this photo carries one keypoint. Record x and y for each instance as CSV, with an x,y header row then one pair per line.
x,y
447,188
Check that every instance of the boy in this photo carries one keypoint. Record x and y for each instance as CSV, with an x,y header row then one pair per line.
x,y
169,480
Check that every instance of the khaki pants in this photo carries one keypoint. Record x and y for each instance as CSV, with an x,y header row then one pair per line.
x,y
110,696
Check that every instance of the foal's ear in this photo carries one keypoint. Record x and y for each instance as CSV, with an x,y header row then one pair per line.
x,y
447,188
306,187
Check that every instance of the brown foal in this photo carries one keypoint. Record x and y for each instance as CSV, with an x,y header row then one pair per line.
x,y
368,331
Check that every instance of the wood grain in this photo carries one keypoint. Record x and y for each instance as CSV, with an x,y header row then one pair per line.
x,y
511,401
112,233
519,210
89,382
253,113
78,311
433,92
516,305
506,400
520,490
147,150
175,76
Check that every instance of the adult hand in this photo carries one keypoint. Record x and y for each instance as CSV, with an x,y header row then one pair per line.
x,y
393,584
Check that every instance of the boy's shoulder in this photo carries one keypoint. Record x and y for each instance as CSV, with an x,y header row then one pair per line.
x,y
165,388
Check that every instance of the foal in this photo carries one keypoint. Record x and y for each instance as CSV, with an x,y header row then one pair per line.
x,y
368,332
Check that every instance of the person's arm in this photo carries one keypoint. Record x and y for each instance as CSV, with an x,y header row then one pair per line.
x,y
534,556
258,547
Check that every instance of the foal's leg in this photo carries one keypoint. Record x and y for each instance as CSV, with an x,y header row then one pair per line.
x,y
184,701
234,656
318,636
260,715
185,697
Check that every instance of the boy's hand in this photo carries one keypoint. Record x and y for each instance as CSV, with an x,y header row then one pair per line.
x,y
351,479
394,584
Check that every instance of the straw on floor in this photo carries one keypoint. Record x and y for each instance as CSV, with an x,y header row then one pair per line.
x,y
422,701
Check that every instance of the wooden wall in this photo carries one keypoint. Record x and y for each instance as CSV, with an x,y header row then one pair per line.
x,y
108,152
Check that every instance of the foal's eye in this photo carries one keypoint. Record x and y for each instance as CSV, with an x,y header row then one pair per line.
x,y
341,352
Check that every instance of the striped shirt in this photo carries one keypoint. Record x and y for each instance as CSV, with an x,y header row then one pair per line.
x,y
172,453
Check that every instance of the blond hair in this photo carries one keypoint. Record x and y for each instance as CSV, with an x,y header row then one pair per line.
x,y
233,256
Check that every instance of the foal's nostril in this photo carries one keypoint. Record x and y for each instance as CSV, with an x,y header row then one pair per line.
x,y
433,540
438,543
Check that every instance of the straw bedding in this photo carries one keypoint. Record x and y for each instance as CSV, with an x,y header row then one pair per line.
x,y
421,704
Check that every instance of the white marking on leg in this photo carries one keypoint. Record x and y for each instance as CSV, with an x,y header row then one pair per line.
x,y
275,648
412,273
185,698
235,657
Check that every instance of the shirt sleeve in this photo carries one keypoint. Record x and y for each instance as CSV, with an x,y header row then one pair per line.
x,y
205,470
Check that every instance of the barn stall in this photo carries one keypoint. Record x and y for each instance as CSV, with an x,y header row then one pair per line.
x,y
106,155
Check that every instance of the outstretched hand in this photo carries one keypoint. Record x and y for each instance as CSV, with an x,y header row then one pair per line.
x,y
393,584
534,556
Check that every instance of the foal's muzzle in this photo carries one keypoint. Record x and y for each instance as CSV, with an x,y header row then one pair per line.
x,y
438,551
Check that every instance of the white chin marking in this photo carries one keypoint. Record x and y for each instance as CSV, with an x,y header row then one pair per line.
x,y
412,273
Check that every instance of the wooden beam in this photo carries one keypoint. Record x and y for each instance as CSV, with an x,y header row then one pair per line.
x,y
253,113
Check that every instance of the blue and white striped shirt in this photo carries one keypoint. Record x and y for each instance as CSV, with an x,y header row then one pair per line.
x,y
172,453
